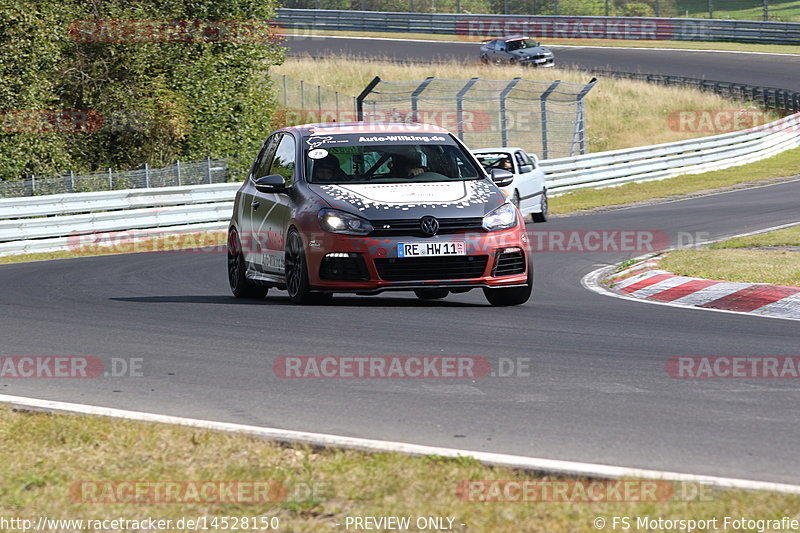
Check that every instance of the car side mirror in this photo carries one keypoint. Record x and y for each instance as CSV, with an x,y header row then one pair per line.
x,y
502,178
271,183
525,168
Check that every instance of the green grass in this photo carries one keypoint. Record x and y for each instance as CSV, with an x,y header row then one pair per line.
x,y
679,45
743,259
781,165
45,456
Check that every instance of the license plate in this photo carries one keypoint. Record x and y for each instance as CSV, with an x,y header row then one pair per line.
x,y
427,249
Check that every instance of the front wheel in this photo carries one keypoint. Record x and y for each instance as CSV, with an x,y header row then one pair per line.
x,y
511,295
542,217
296,272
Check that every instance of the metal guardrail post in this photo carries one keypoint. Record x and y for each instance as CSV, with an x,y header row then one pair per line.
x,y
110,180
146,175
208,168
543,112
178,169
33,185
503,95
360,98
460,106
415,96
71,181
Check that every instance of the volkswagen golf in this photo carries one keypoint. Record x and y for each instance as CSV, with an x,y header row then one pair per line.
x,y
365,208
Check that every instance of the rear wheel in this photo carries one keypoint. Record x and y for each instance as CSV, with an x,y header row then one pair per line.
x,y
542,217
296,272
240,285
511,295
431,294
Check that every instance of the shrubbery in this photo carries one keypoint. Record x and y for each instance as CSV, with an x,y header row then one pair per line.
x,y
159,101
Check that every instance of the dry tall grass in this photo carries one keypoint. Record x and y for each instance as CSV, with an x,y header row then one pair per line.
x,y
620,113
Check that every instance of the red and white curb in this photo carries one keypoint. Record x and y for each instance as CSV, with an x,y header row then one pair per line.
x,y
646,281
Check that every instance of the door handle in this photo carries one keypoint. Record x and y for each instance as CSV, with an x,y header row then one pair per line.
x,y
255,205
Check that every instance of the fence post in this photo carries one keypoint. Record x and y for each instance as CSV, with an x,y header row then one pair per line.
x,y
110,180
503,94
178,167
302,95
71,181
711,9
543,112
460,106
766,10
360,98
415,96
580,123
147,175
208,168
33,185
319,102
285,92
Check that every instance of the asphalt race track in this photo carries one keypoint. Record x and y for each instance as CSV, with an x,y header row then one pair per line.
x,y
770,70
599,391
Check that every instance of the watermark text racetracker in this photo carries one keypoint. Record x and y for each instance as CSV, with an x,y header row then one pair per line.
x,y
586,241
69,367
400,367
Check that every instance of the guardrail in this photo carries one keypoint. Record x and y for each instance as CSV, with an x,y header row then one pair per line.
x,y
56,222
667,160
475,27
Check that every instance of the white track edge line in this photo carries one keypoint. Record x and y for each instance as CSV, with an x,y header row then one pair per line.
x,y
372,445
593,280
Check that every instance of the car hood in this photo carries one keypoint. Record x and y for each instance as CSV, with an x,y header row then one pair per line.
x,y
385,201
530,52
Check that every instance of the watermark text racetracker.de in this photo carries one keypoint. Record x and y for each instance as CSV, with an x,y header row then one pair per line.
x,y
573,241
69,367
733,367
400,367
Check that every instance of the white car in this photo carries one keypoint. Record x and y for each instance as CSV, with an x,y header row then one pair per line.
x,y
528,190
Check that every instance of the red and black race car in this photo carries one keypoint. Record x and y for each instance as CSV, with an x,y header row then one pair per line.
x,y
365,208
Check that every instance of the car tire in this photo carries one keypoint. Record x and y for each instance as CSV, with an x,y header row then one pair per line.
x,y
515,198
296,273
431,294
512,61
484,60
542,217
511,295
241,287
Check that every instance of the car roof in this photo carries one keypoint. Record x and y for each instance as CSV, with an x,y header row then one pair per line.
x,y
334,128
514,38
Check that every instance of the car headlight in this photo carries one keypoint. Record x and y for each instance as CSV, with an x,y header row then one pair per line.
x,y
503,217
337,221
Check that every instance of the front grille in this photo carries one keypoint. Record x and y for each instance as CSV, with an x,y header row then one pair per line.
x,y
509,264
431,268
350,268
410,227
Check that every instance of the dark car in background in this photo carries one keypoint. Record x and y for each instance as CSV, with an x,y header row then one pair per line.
x,y
517,49
364,208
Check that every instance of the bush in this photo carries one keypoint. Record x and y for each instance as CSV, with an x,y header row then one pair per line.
x,y
159,101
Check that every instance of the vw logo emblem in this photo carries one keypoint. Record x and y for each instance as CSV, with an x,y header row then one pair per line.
x,y
429,225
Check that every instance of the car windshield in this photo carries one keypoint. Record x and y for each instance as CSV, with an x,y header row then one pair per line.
x,y
518,44
495,160
348,159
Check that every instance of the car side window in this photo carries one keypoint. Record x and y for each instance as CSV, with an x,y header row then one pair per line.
x,y
284,161
520,160
261,166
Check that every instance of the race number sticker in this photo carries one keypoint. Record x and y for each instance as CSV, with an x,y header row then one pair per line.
x,y
317,153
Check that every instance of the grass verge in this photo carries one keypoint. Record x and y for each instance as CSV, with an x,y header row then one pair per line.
x,y
54,465
772,257
619,113
626,43
782,165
